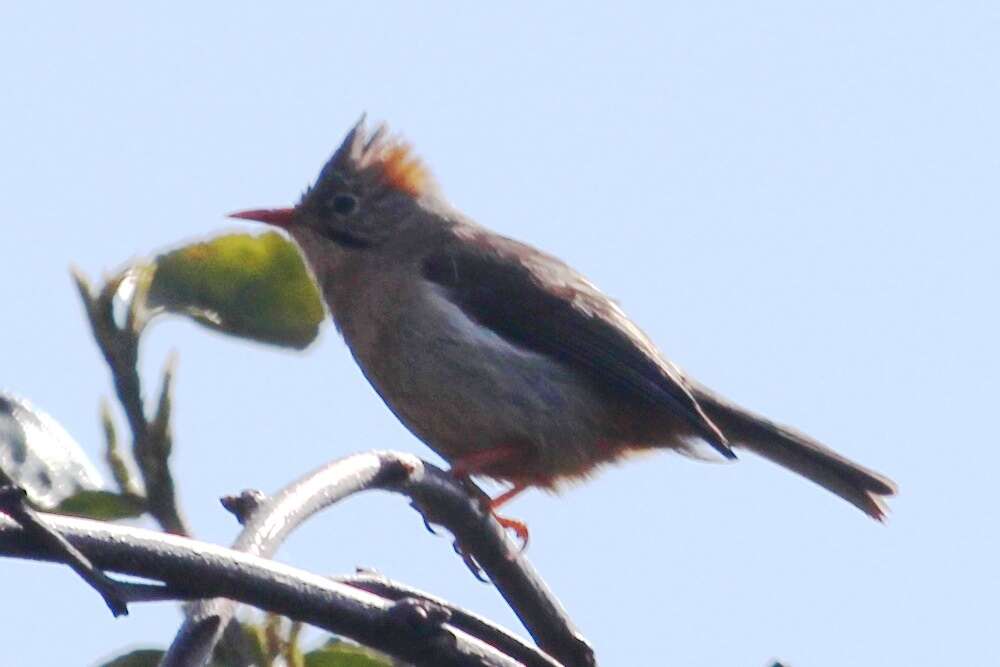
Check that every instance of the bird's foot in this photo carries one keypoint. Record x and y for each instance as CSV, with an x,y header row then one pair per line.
x,y
481,463
517,527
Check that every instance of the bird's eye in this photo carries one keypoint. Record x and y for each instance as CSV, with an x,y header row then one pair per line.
x,y
344,204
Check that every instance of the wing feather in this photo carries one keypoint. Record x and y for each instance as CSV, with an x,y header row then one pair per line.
x,y
537,302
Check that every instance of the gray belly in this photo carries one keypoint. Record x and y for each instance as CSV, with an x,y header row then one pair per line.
x,y
462,389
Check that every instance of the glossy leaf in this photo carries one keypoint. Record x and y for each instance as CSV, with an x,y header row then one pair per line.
x,y
255,287
38,454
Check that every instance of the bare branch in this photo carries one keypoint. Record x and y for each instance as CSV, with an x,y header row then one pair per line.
x,y
442,500
267,522
190,568
474,624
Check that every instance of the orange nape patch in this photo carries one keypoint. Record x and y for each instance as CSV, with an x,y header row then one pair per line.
x,y
402,170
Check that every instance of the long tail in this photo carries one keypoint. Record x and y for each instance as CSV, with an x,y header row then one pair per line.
x,y
863,488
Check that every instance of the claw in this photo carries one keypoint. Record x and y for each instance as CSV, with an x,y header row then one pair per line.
x,y
519,528
480,462
470,562
429,527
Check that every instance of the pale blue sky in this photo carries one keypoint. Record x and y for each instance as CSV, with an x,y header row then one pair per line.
x,y
798,201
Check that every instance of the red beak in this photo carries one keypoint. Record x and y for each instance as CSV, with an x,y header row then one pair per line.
x,y
279,217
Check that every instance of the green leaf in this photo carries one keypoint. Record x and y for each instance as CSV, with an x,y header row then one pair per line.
x,y
255,287
102,505
144,657
342,654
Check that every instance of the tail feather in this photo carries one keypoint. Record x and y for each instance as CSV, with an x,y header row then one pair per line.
x,y
863,488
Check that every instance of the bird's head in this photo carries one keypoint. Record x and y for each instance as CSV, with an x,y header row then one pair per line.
x,y
371,188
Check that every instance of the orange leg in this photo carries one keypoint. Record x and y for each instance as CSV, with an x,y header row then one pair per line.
x,y
481,462
507,495
519,527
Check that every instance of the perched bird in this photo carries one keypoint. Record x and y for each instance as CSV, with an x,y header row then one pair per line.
x,y
501,358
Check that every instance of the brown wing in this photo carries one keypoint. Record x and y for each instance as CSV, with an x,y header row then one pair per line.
x,y
537,302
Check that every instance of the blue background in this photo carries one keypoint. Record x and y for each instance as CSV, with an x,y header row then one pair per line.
x,y
798,203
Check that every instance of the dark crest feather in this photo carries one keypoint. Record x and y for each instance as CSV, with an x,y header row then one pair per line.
x,y
385,157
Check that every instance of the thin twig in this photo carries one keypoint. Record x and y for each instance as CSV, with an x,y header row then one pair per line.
x,y
113,456
475,625
150,439
12,503
191,568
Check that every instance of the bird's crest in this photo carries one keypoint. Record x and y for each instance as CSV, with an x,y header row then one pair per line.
x,y
389,158
403,170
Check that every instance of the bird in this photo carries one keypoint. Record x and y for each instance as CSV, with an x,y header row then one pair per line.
x,y
503,359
